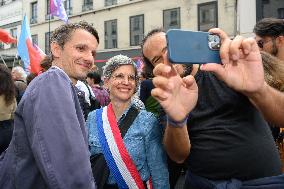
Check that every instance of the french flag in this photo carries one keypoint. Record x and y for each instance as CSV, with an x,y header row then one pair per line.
x,y
30,53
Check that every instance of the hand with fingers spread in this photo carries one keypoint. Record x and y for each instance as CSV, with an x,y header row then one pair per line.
x,y
243,71
178,96
241,67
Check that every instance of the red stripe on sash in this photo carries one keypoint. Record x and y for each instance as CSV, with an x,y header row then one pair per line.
x,y
122,149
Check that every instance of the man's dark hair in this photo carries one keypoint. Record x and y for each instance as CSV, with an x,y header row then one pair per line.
x,y
148,67
96,76
46,62
271,27
63,33
30,77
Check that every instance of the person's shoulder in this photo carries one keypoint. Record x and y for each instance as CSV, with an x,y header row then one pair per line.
x,y
92,115
20,84
57,74
92,119
147,117
147,82
50,78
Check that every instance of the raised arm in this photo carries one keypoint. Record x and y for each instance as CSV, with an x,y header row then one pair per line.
x,y
271,103
242,70
177,96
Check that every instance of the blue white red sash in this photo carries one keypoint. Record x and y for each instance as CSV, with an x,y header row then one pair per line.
x,y
115,153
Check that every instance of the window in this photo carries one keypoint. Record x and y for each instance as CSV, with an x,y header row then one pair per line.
x,y
136,39
207,16
114,42
136,29
2,2
13,32
68,7
88,5
113,28
1,46
34,13
136,23
281,13
269,8
35,39
110,34
171,18
47,42
88,2
110,2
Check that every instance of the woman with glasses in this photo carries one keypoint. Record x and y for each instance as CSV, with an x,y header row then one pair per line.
x,y
129,138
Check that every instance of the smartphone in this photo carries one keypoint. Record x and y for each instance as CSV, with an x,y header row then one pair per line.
x,y
193,47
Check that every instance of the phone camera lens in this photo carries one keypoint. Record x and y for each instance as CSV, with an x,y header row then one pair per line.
x,y
214,42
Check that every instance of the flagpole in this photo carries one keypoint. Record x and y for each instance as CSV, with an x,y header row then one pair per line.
x,y
15,60
49,28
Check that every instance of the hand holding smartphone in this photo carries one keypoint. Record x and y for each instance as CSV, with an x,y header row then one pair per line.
x,y
191,47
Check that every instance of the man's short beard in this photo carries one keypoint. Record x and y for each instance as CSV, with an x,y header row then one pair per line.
x,y
82,78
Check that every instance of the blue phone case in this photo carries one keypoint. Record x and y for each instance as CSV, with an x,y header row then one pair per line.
x,y
190,47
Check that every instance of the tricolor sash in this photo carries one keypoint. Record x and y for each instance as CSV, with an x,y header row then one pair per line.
x,y
116,155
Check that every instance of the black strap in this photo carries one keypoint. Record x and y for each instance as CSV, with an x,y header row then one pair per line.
x,y
88,90
128,120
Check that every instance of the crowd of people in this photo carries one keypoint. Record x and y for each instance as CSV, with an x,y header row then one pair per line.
x,y
69,128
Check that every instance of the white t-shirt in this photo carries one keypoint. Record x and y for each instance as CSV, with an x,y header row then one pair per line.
x,y
82,87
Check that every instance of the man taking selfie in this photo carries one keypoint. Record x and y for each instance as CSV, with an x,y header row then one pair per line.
x,y
215,117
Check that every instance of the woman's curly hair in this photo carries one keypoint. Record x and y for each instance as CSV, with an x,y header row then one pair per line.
x,y
7,86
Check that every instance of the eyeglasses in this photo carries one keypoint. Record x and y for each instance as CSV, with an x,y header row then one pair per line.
x,y
121,77
261,42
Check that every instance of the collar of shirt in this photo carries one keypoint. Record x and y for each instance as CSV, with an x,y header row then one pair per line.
x,y
56,67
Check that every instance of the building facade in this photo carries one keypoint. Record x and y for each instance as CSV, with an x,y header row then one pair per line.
x,y
121,24
10,20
